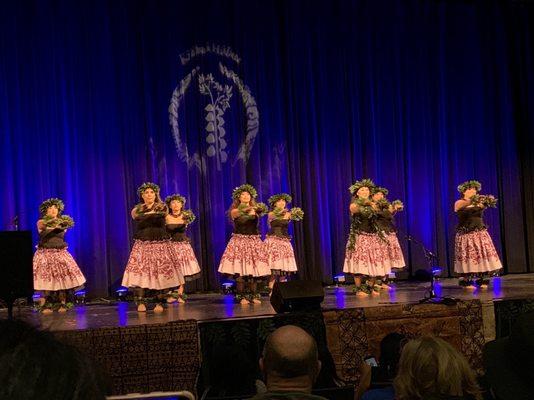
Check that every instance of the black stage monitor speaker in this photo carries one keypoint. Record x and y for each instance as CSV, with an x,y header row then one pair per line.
x,y
16,265
297,296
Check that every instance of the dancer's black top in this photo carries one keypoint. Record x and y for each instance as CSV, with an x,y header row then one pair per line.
x,y
246,225
177,232
470,219
362,223
52,239
151,227
384,221
279,228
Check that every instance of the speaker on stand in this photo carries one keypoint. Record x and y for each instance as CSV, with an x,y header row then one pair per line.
x,y
16,269
297,296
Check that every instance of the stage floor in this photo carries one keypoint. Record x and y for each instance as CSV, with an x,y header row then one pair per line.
x,y
217,307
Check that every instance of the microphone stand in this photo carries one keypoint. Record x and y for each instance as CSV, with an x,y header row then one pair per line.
x,y
430,295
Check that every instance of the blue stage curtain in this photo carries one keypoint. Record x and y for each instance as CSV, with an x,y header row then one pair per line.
x,y
417,95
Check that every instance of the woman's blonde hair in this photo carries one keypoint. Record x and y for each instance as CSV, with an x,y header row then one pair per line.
x,y
431,366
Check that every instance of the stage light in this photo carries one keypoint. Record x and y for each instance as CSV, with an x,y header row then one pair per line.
x,y
433,294
339,279
227,287
121,292
79,297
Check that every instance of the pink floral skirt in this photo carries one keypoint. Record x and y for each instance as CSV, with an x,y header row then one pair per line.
x,y
55,269
280,254
393,250
152,265
245,255
369,257
187,262
474,252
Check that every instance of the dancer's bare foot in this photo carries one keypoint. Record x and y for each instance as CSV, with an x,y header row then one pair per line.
x,y
47,311
141,308
158,308
180,300
41,302
171,300
482,283
243,301
62,309
255,300
361,293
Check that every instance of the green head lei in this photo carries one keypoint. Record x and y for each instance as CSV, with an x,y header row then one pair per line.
x,y
468,185
353,189
244,188
145,186
379,189
45,205
280,196
173,197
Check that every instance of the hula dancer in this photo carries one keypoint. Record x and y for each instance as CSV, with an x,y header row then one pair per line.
x,y
54,270
278,242
385,214
177,221
365,255
475,257
245,257
152,264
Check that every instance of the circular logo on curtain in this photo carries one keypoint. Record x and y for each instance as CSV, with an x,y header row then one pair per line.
x,y
215,85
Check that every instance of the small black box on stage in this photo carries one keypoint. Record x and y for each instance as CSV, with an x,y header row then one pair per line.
x,y
297,296
16,257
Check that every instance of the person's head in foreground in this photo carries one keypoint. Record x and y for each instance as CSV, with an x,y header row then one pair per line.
x,y
509,361
35,365
430,368
290,360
